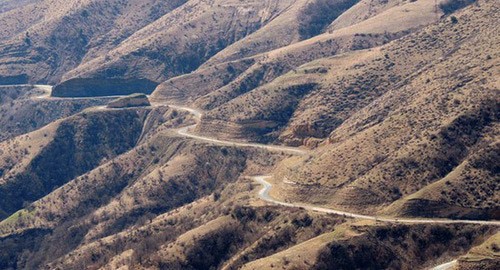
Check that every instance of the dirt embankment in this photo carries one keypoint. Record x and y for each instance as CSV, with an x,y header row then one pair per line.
x,y
135,100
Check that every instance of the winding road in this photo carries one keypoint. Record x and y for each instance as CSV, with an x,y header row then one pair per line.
x,y
262,179
445,266
266,186
185,131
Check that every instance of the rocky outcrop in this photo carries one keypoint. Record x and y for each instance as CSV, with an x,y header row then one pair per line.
x,y
87,87
135,100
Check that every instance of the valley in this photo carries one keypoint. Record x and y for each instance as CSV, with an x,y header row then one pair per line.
x,y
227,134
266,186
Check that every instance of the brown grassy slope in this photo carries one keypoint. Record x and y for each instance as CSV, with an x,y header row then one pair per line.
x,y
308,102
16,153
302,255
78,145
377,246
157,177
265,238
298,21
467,189
280,18
270,65
343,85
363,10
245,235
46,39
215,84
55,206
400,246
182,40
419,132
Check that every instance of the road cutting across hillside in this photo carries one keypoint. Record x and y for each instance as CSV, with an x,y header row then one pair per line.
x,y
185,131
266,186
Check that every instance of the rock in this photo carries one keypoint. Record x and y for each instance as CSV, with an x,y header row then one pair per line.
x,y
135,100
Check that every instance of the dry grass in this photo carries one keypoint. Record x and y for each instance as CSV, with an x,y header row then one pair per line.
x,y
426,124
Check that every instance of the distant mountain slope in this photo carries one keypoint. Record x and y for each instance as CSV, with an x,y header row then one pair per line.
x,y
182,40
250,91
46,39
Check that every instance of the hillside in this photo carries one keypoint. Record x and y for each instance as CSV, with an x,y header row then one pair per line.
x,y
43,40
249,85
68,149
426,142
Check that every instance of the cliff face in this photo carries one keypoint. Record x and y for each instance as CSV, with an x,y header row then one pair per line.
x,y
103,87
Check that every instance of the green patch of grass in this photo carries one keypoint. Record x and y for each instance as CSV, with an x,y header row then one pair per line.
x,y
23,213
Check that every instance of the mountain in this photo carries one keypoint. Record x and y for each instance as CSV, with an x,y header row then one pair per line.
x,y
417,144
43,40
229,134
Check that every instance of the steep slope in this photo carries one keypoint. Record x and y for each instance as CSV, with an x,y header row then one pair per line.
x,y
77,145
45,39
182,40
156,178
224,87
440,123
485,256
301,20
367,246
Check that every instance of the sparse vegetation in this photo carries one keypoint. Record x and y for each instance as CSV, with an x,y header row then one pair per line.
x,y
395,111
